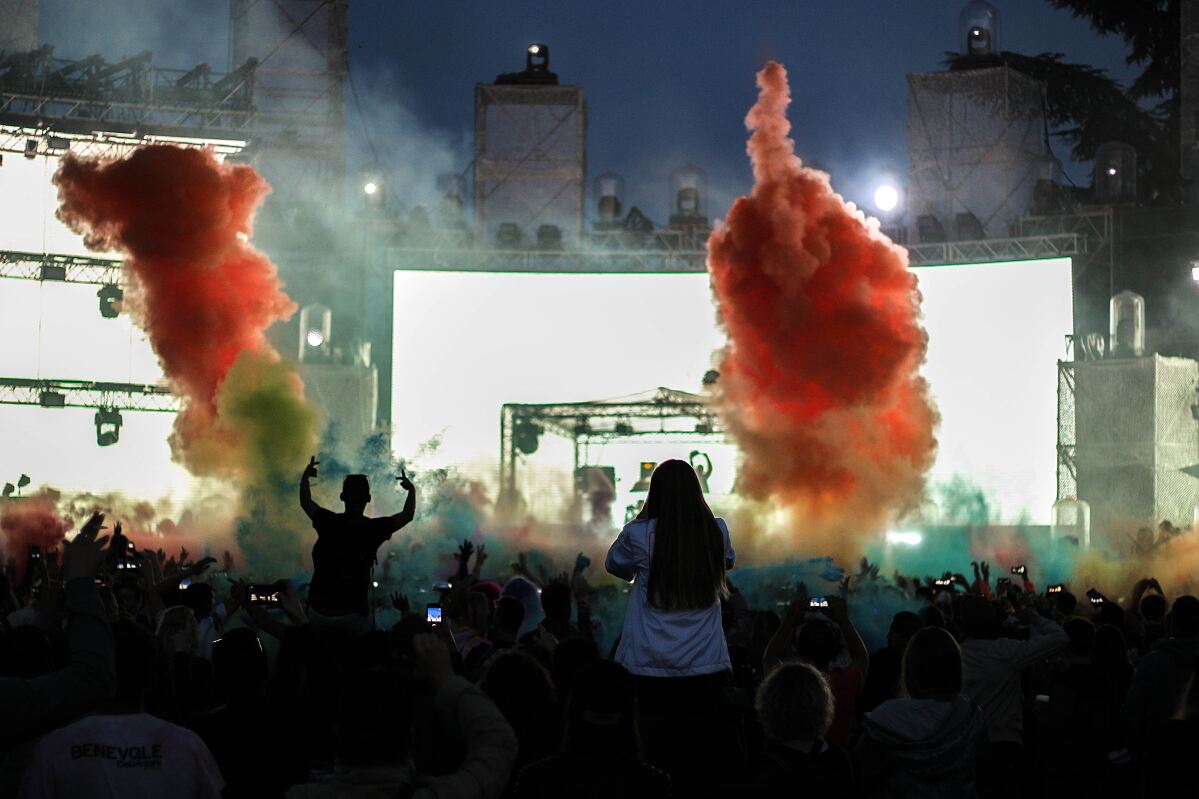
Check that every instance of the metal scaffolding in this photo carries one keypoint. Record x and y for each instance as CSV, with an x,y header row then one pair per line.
x,y
87,394
661,414
60,268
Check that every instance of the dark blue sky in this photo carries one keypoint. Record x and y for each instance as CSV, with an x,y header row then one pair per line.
x,y
666,82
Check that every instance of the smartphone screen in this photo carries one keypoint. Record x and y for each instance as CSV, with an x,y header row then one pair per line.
x,y
35,552
260,594
433,614
1054,589
185,582
818,603
944,583
1095,597
1020,570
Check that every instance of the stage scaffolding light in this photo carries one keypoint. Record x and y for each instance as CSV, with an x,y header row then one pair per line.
x,y
108,426
647,472
316,326
886,198
111,297
370,187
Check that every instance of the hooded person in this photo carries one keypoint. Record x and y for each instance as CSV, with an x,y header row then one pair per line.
x,y
928,743
1162,677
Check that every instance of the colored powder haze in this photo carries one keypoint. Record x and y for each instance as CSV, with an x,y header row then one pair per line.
x,y
819,382
205,298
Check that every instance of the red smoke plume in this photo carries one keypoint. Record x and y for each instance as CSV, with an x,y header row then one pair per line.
x,y
819,381
32,521
204,295
205,298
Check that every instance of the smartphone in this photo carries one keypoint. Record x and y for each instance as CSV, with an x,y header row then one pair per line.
x,y
818,603
35,552
1020,570
185,582
433,614
126,564
263,594
944,583
1055,589
1095,597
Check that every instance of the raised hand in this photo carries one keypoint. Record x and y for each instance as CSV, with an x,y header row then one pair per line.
x,y
200,566
581,563
480,556
400,602
404,481
82,555
310,469
837,607
465,550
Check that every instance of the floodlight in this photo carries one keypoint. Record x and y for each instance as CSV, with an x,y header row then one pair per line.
x,y
534,49
647,472
23,481
316,326
1195,273
111,297
907,539
886,197
315,338
370,187
108,426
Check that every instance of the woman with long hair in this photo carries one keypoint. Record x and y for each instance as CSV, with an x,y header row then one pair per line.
x,y
676,554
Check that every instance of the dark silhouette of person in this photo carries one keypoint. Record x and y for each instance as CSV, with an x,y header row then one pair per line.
x,y
702,470
345,549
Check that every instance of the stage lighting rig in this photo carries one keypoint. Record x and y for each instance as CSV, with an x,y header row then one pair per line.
x,y
111,298
316,326
886,198
527,436
108,426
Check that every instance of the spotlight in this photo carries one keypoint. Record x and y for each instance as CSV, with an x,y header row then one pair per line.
x,y
111,297
905,538
316,326
526,435
534,49
370,187
1195,273
108,426
886,198
647,471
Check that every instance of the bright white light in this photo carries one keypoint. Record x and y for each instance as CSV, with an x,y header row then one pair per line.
x,y
1195,273
886,197
370,187
904,538
1111,170
534,49
315,338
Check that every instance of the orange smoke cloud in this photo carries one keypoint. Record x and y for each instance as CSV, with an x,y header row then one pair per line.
x,y
818,382
205,298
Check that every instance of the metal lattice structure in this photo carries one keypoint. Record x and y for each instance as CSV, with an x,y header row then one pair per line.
x,y
39,90
976,146
661,414
62,268
1067,432
1136,440
87,394
529,159
299,48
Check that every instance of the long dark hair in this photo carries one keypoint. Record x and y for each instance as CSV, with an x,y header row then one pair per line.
x,y
688,570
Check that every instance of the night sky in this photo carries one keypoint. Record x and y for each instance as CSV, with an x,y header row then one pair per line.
x,y
666,82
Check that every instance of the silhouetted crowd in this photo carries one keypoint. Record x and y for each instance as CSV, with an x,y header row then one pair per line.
x,y
124,673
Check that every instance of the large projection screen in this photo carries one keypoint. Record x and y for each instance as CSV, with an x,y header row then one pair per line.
x,y
466,343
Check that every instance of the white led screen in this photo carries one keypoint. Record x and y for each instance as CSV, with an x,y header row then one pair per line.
x,y
466,343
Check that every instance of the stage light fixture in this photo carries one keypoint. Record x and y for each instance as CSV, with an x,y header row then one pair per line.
x,y
526,435
8,489
534,49
907,539
647,472
316,326
108,426
31,148
111,297
1195,273
370,187
886,198
23,481
52,399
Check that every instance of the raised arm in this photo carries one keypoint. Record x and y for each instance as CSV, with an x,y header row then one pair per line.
x,y
306,502
838,611
402,518
34,706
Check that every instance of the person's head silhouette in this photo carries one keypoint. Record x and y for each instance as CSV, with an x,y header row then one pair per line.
x,y
356,493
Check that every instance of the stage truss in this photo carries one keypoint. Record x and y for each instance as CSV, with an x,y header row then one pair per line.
x,y
664,414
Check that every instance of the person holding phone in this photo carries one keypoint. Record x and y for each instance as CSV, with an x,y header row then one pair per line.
x,y
344,552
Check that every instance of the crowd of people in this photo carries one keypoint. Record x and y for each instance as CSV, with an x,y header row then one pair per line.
x,y
125,674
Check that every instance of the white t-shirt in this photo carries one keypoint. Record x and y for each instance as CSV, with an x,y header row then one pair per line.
x,y
662,643
127,757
